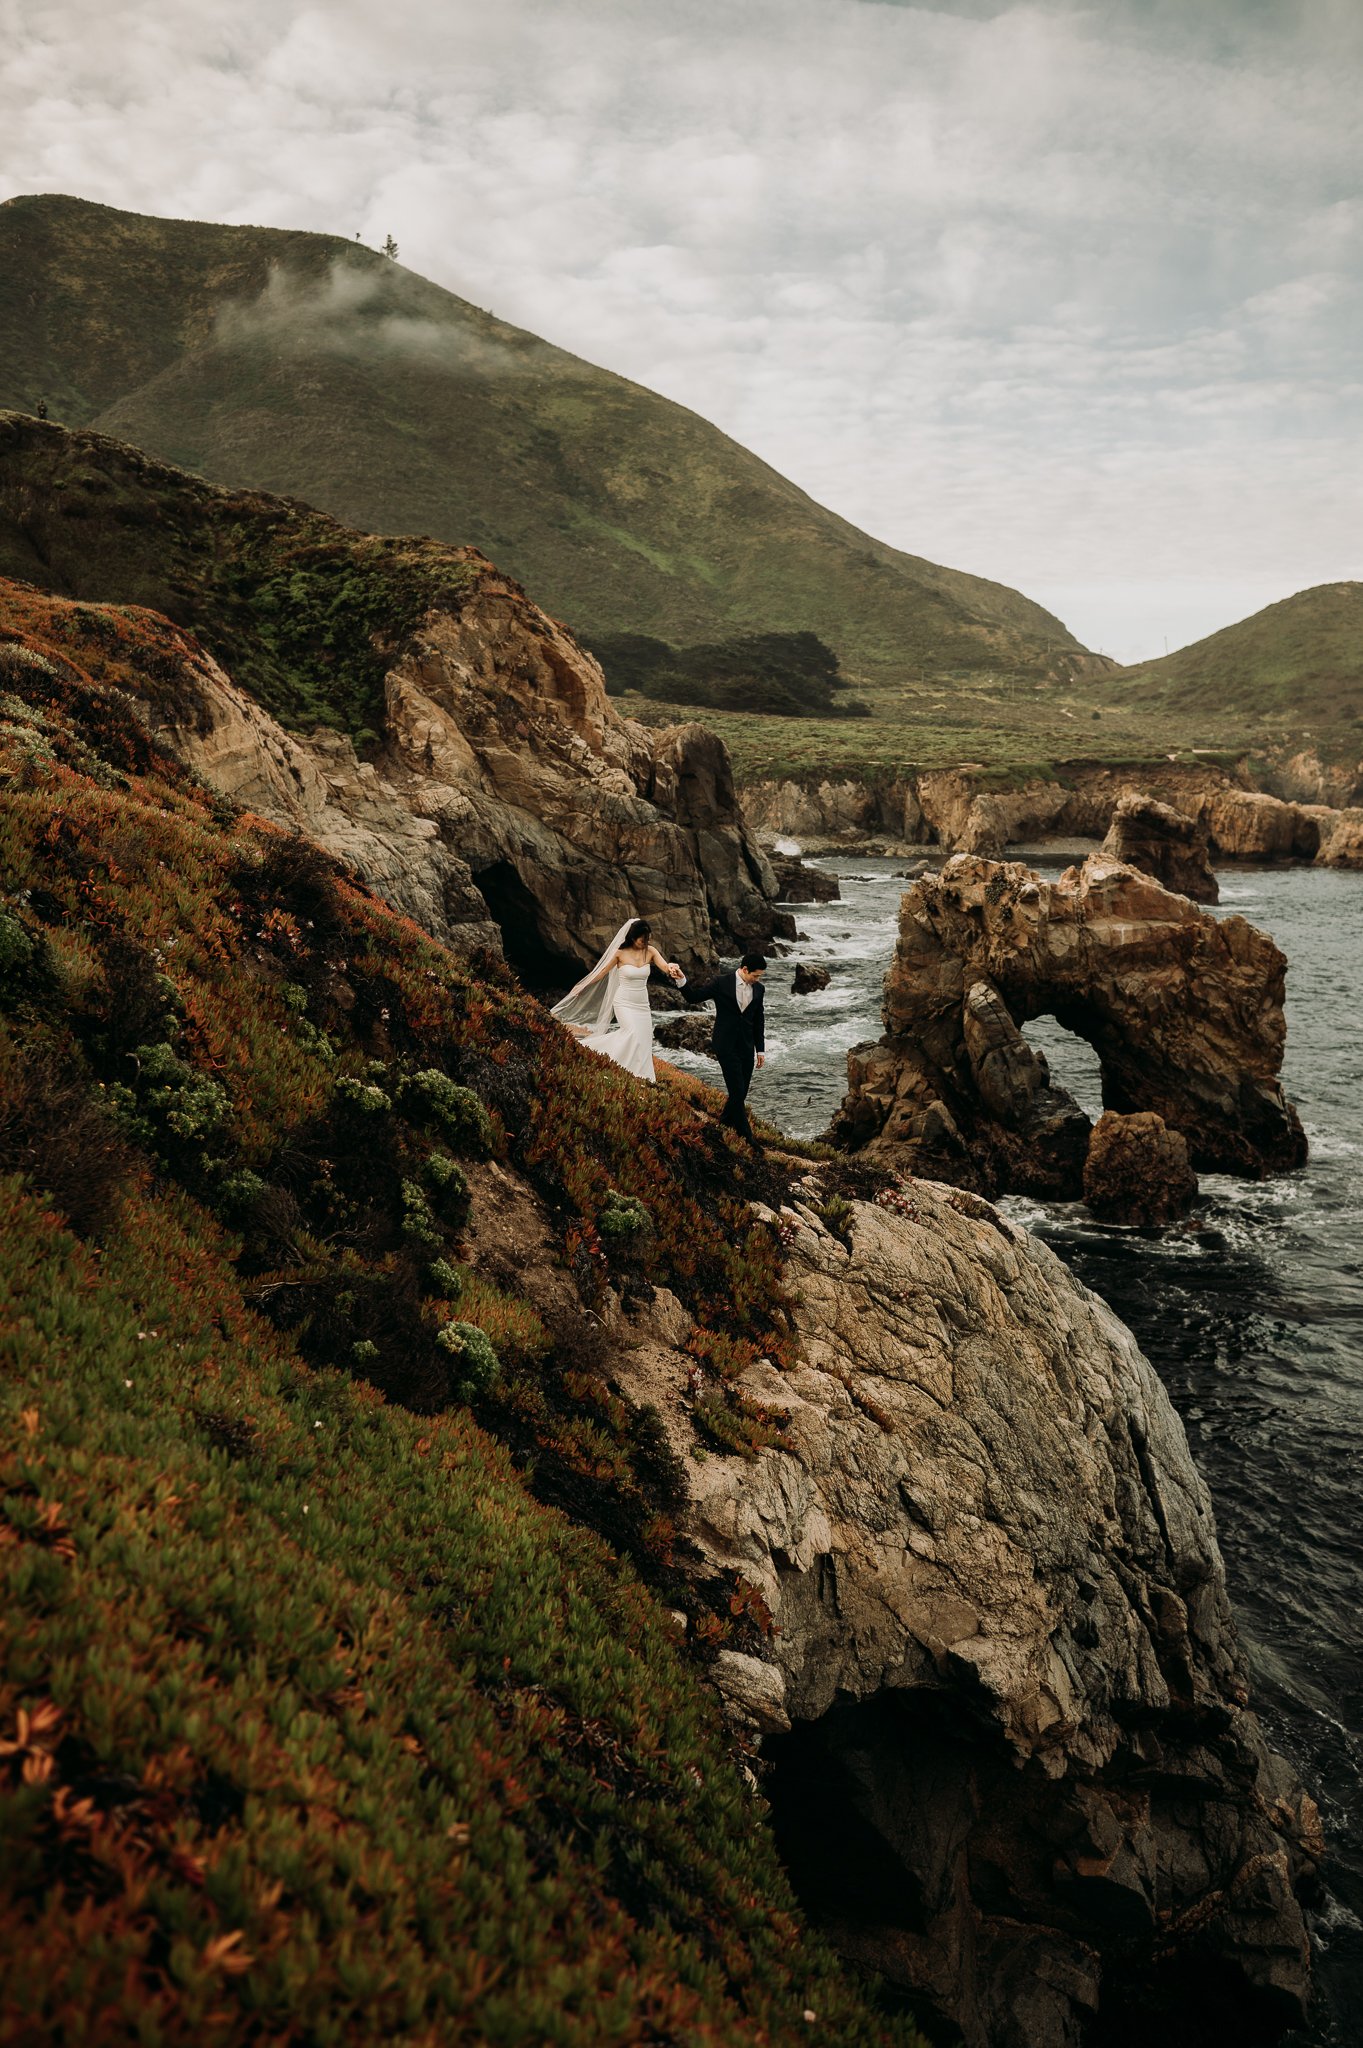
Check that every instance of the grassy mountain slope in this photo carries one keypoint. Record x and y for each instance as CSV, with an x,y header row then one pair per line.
x,y
319,1718
310,366
303,612
1298,664
306,613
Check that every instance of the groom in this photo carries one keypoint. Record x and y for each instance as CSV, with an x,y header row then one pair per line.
x,y
740,1039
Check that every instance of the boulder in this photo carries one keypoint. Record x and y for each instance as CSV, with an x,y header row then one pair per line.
x,y
808,979
1184,1012
995,1677
796,882
689,1033
1137,1170
1162,842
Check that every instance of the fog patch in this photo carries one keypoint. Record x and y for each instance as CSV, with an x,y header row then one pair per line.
x,y
354,310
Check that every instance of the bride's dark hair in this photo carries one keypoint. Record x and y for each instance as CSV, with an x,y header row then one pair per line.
x,y
637,935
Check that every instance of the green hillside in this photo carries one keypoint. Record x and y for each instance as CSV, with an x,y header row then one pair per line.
x,y
339,1699
1297,664
303,612
308,365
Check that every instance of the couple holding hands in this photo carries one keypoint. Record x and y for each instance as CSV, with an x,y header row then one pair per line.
x,y
609,1012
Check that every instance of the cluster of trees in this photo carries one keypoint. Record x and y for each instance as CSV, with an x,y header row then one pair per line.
x,y
786,675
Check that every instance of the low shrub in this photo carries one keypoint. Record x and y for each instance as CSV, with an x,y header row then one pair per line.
x,y
449,1189
475,1362
623,1219
433,1098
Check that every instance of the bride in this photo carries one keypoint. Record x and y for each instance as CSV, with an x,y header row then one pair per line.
x,y
608,1011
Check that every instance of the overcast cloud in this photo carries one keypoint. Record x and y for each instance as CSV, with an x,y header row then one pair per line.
x,y
1065,295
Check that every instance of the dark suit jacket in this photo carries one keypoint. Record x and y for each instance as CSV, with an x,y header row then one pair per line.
x,y
736,1031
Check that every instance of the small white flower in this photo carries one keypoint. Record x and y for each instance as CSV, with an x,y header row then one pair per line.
x,y
127,1383
305,1511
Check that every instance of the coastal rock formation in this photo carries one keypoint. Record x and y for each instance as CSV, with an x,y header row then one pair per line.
x,y
1184,1012
1002,1702
821,815
1248,825
685,1033
1137,1170
508,803
796,882
1305,813
1165,843
1341,838
808,979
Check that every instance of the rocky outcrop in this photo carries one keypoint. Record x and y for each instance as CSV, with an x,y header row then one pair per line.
x,y
824,815
683,1033
797,882
1341,839
1248,825
997,1681
1137,1170
1304,814
1184,1012
809,979
1165,843
508,803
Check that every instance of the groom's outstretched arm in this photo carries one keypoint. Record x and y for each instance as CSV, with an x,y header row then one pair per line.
x,y
704,991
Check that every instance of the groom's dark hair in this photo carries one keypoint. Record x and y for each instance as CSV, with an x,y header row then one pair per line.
x,y
756,963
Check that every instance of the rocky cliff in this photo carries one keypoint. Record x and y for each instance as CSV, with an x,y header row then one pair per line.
x,y
901,1492
1297,809
1183,1010
508,805
995,1675
403,703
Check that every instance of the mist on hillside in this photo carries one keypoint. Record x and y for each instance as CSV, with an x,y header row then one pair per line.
x,y
355,311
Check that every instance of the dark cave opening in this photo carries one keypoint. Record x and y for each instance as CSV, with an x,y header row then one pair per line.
x,y
942,1873
516,915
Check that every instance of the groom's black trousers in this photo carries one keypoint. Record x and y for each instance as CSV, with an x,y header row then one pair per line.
x,y
737,1068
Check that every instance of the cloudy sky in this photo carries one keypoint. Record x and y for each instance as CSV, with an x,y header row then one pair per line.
x,y
1066,295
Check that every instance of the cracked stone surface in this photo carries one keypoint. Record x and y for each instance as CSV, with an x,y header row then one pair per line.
x,y
1001,1629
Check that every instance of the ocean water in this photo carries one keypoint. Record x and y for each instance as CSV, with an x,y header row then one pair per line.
x,y
1251,1311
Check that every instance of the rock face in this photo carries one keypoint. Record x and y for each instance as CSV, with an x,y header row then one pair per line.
x,y
1341,842
1165,843
1298,817
1137,1170
1001,1697
509,804
1184,1012
1249,825
808,979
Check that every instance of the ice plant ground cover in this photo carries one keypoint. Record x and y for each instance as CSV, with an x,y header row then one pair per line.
x,y
317,1721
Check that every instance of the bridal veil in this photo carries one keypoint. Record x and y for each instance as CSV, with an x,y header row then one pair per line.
x,y
588,1007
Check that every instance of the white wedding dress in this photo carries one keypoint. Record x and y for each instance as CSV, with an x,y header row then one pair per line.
x,y
609,1011
630,1042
